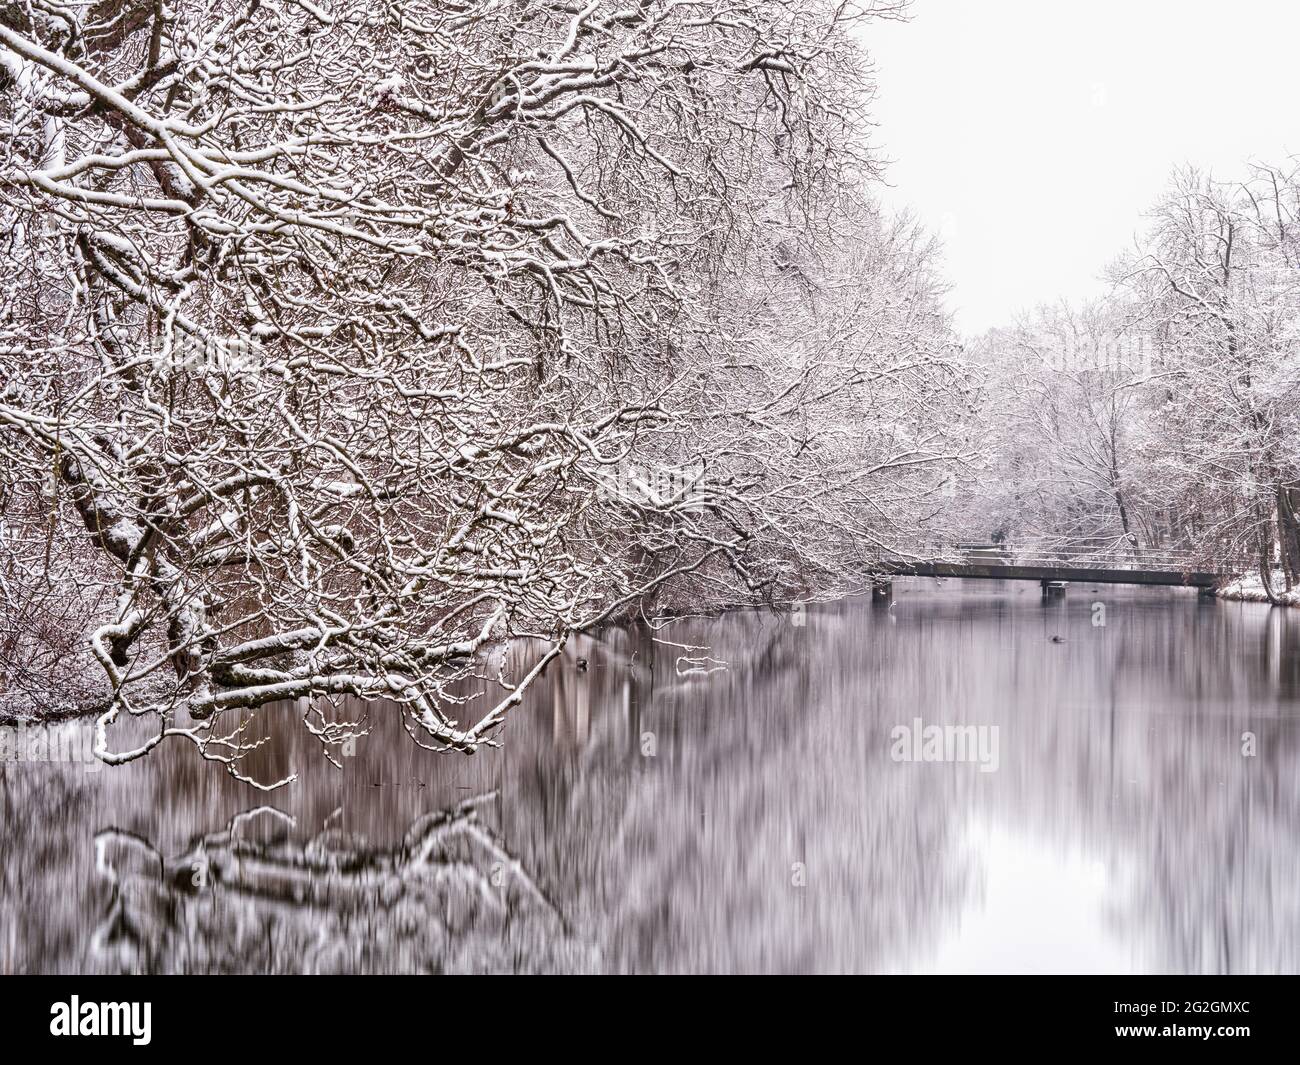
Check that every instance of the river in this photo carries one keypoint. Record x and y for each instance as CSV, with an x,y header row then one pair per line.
x,y
745,793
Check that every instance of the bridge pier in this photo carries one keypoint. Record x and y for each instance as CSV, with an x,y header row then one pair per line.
x,y
1053,589
882,592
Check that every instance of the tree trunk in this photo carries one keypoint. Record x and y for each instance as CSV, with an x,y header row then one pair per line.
x,y
1266,562
1288,532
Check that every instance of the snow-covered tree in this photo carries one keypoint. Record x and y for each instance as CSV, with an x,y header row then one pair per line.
x,y
1165,415
344,341
1217,283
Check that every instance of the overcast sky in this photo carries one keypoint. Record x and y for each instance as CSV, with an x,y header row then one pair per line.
x,y
1033,135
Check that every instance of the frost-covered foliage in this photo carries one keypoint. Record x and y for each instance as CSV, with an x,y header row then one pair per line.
x,y
353,338
1067,388
1167,415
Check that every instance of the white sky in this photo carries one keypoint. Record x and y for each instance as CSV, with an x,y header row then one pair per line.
x,y
1033,135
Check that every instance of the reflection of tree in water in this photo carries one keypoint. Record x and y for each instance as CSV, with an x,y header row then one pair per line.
x,y
1211,851
1214,836
672,814
1126,745
41,919
735,820
1123,744
449,898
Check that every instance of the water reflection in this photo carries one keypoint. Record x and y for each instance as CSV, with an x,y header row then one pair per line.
x,y
719,795
449,897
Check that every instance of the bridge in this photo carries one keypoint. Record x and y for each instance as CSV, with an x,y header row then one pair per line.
x,y
1055,563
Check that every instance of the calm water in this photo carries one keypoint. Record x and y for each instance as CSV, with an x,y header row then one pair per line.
x,y
733,808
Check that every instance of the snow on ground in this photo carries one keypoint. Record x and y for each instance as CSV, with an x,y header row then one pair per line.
x,y
1250,589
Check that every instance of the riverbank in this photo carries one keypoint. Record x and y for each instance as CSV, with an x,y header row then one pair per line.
x,y
1250,589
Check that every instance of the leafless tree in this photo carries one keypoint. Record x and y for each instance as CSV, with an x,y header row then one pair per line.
x,y
356,339
1217,281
